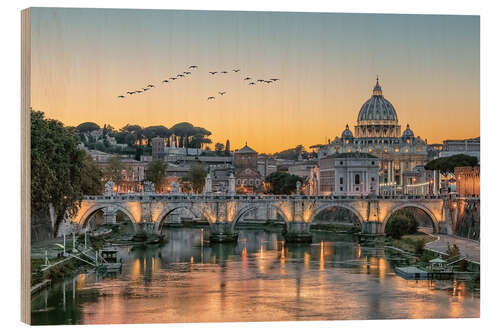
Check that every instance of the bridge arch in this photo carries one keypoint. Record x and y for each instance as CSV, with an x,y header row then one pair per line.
x,y
169,210
251,207
435,223
93,209
337,205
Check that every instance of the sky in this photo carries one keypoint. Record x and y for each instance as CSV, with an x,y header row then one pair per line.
x,y
428,65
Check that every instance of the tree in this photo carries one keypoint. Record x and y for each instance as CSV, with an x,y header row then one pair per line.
x,y
156,173
291,154
131,134
446,165
399,224
155,131
87,127
282,182
57,169
196,177
114,169
453,251
219,149
91,176
227,150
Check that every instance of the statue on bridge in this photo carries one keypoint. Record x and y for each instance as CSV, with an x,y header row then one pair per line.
x,y
148,187
298,185
175,188
109,187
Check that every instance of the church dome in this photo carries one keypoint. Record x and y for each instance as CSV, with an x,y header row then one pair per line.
x,y
408,133
347,134
377,107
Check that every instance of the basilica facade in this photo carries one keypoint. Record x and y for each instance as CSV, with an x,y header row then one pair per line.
x,y
378,132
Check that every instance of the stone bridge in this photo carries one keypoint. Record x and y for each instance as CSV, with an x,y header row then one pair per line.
x,y
150,212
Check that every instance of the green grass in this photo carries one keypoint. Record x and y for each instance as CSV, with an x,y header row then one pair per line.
x,y
409,243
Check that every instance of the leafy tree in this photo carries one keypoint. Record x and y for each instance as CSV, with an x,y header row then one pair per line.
x,y
155,131
191,136
291,154
131,134
156,173
91,176
196,177
401,224
282,182
87,127
219,149
114,169
448,164
58,167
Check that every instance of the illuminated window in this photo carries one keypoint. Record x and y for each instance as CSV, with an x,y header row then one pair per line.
x,y
396,150
370,150
406,150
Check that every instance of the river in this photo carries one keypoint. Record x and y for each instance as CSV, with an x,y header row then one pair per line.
x,y
258,279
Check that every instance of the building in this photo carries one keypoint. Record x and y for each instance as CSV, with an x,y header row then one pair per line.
x,y
378,132
157,148
353,173
420,181
471,147
468,181
248,178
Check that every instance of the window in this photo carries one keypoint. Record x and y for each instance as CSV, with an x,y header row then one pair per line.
x,y
238,181
356,179
341,163
373,179
373,162
251,181
257,182
341,188
341,181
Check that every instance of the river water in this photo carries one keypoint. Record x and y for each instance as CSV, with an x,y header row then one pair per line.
x,y
258,279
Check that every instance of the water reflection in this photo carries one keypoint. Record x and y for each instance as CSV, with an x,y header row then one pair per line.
x,y
258,279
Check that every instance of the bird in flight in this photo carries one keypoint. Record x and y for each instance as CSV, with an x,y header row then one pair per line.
x,y
165,81
223,72
247,78
172,78
138,91
210,97
266,81
130,92
180,75
150,86
222,93
145,89
275,80
192,67
236,70
187,73
251,83
260,80
121,96
213,73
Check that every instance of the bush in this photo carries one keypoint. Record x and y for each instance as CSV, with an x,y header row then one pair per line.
x,y
419,246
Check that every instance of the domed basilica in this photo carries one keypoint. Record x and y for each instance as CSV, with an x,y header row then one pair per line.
x,y
378,132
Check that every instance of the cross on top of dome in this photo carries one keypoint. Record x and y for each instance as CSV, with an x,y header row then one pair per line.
x,y
377,90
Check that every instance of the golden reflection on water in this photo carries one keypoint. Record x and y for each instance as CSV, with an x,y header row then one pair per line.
x,y
249,282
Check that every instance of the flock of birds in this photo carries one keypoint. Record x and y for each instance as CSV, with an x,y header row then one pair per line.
x,y
189,72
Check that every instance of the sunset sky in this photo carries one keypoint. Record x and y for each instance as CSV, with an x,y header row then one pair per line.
x,y
428,65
